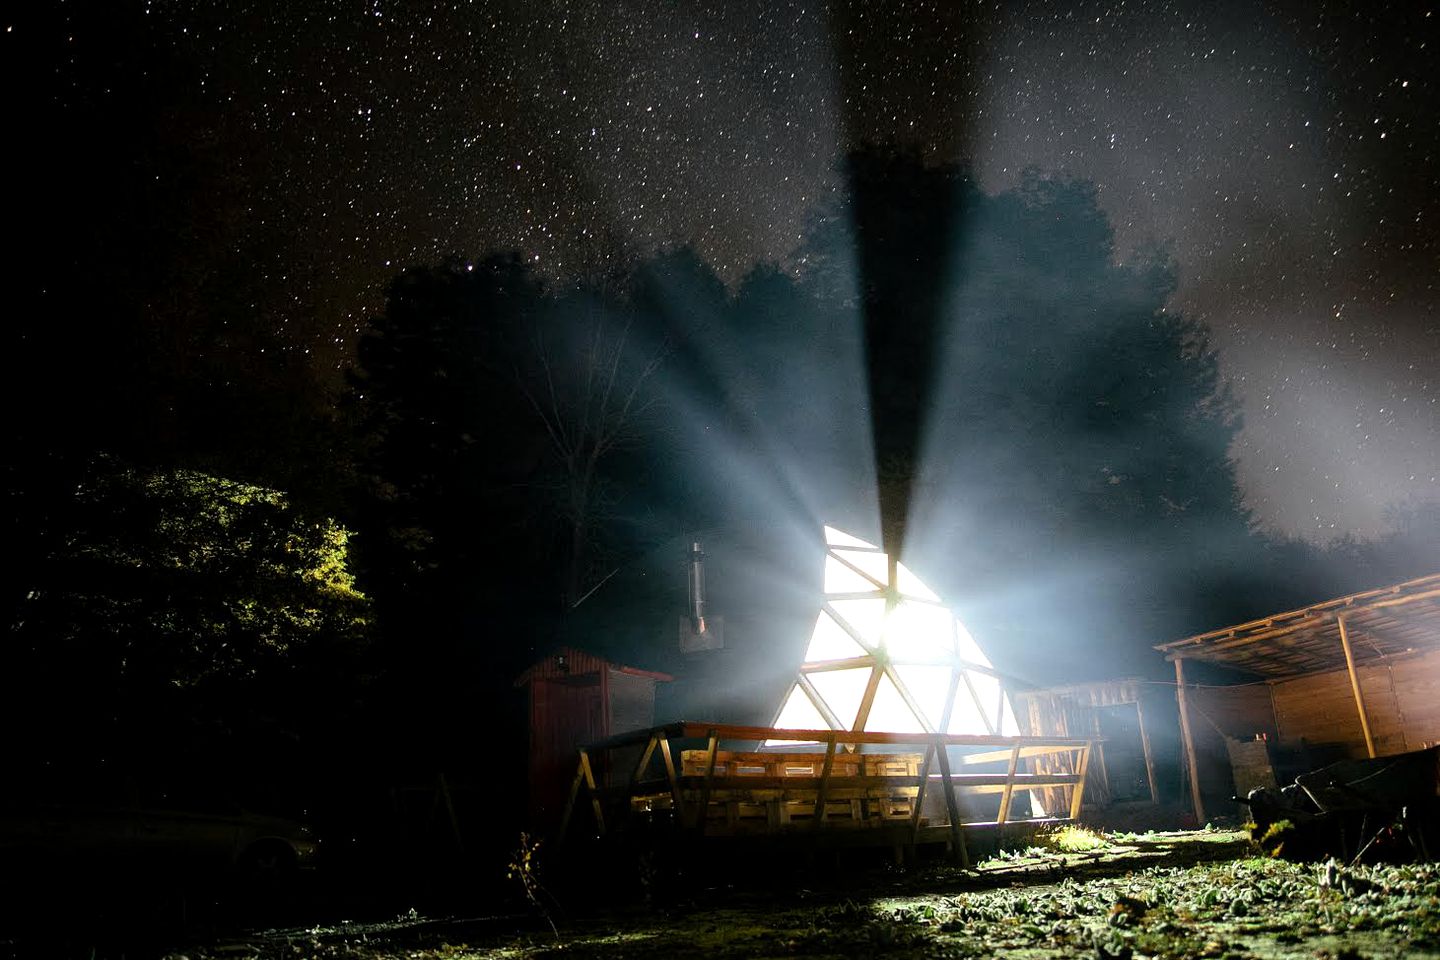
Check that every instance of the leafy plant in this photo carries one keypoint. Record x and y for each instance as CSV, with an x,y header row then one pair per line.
x,y
524,867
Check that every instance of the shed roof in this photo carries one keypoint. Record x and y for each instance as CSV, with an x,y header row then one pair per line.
x,y
1389,622
570,662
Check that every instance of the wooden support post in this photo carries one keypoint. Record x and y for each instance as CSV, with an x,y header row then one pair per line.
x,y
677,802
1009,787
1189,741
594,794
1355,686
1145,748
1077,792
570,800
824,783
920,795
952,806
644,763
703,813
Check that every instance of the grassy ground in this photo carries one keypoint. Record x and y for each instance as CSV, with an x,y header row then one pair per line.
x,y
1179,895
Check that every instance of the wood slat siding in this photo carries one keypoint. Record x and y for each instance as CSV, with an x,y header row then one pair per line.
x,y
1067,712
1239,712
1402,702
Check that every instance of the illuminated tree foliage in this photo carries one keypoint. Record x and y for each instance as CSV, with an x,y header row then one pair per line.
x,y
177,597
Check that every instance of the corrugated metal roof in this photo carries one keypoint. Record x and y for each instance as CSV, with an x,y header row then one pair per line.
x,y
570,662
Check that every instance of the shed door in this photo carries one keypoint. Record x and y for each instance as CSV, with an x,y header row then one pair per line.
x,y
563,715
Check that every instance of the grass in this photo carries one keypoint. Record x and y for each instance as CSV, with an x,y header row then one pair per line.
x,y
1164,896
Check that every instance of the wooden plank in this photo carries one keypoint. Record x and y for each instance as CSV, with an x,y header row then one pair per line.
x,y
1355,686
1009,788
1078,793
920,796
1191,764
589,776
644,760
867,700
703,813
670,775
952,806
824,783
741,732
570,798
1022,780
1145,748
995,756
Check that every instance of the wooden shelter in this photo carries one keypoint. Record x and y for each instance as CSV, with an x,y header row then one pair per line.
x,y
576,698
1355,676
1120,716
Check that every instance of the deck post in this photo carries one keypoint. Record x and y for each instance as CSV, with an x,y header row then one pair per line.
x,y
1355,685
952,806
644,763
819,818
1145,746
589,776
1189,741
1077,793
677,801
570,803
1009,790
920,796
703,814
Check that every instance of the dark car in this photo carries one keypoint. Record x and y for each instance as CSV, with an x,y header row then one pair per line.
x,y
160,831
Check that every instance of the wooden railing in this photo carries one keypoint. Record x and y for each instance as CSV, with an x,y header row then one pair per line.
x,y
688,788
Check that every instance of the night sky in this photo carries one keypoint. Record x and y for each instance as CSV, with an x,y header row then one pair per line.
x,y
1289,155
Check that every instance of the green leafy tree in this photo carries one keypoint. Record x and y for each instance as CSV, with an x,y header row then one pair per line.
x,y
178,607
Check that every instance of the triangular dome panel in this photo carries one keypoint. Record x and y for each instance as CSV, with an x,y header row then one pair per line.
x,y
840,578
842,691
839,538
799,713
929,686
890,712
875,566
866,618
829,641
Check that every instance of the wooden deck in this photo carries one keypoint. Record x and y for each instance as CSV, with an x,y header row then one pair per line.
x,y
778,792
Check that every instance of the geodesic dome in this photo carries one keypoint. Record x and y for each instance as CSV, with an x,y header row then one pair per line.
x,y
887,655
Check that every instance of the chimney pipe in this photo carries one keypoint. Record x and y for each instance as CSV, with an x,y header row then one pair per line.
x,y
697,588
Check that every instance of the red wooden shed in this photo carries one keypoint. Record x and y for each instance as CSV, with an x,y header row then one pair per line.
x,y
576,698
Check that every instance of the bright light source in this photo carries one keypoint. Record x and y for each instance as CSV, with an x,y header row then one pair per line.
x,y
902,629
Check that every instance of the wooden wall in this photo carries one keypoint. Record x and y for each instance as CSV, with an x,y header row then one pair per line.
x,y
1402,702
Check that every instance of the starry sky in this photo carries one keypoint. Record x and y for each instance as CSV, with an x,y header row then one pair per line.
x,y
1288,154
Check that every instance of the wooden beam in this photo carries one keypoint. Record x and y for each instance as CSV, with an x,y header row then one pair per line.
x,y
1077,795
703,814
1004,813
1189,742
570,799
644,763
589,775
824,783
952,806
677,803
1355,686
920,795
867,700
1145,748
